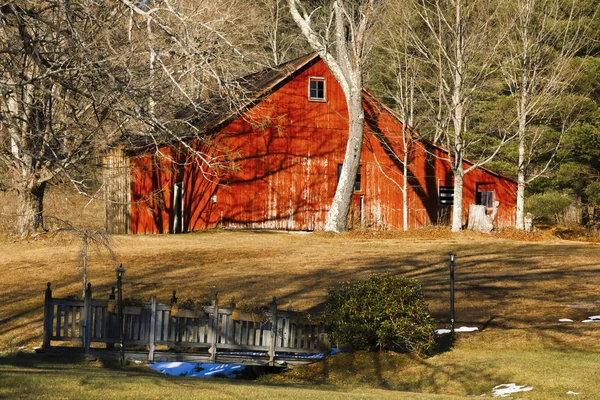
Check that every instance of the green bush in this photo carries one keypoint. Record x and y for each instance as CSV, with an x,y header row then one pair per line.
x,y
548,207
380,312
593,193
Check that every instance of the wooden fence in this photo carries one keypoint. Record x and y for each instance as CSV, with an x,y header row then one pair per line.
x,y
214,334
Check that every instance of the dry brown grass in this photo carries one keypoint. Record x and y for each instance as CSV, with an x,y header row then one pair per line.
x,y
506,280
499,283
61,203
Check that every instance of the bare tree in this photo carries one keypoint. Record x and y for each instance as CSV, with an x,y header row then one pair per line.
x,y
460,47
83,74
281,41
180,55
398,61
538,70
342,42
98,240
51,108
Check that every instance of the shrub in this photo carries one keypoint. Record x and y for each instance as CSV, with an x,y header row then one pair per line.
x,y
548,207
380,312
593,193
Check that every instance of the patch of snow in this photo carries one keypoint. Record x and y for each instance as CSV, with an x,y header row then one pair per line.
x,y
593,318
461,329
573,393
506,389
565,320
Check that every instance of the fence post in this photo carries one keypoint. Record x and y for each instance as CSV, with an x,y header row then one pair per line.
x,y
452,258
152,335
120,271
173,321
86,317
273,318
110,319
48,317
214,329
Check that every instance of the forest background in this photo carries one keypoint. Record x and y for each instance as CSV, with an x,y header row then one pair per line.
x,y
81,77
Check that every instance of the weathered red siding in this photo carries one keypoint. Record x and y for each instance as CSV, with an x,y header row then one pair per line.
x,y
285,151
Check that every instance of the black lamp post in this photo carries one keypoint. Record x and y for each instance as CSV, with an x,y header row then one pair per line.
x,y
452,257
120,271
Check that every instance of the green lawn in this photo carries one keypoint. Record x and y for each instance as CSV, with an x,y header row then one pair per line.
x,y
554,361
35,377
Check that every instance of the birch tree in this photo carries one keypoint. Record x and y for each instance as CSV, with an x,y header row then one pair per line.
x,y
461,49
342,42
398,67
547,36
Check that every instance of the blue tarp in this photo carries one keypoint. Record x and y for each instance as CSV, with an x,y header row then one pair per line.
x,y
208,370
199,370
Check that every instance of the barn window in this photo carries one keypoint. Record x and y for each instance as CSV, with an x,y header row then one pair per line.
x,y
357,182
316,88
486,195
446,195
487,198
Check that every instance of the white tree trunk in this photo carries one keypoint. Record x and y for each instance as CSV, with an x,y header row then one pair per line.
x,y
520,217
458,119
522,115
405,196
337,216
458,201
346,66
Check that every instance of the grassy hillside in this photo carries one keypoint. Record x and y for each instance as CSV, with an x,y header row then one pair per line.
x,y
499,283
515,291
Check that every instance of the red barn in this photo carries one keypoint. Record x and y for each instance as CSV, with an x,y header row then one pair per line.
x,y
276,162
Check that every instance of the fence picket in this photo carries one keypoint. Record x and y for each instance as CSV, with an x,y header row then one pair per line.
x,y
152,329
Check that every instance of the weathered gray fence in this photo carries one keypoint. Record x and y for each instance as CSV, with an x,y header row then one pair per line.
x,y
214,334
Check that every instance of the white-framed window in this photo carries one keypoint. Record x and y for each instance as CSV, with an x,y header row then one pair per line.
x,y
487,198
486,195
316,89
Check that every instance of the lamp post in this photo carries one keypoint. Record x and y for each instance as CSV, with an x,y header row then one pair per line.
x,y
452,257
120,271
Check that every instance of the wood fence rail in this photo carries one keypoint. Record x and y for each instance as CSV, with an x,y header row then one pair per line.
x,y
214,334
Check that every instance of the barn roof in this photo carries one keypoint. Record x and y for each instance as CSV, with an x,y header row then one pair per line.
x,y
241,93
232,99
236,96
